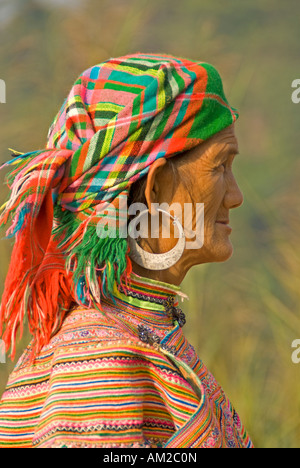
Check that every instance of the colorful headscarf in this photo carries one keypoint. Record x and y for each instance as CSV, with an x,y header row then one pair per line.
x,y
120,116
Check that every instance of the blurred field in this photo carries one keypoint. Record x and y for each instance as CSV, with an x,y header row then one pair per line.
x,y
242,314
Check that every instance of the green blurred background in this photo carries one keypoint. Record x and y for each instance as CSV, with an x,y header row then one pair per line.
x,y
242,314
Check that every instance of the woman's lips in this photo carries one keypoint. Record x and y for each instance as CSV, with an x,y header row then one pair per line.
x,y
223,221
225,224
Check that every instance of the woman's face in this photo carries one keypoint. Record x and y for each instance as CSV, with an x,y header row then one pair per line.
x,y
205,177
212,182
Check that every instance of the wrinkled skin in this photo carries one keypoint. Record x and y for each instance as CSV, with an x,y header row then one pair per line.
x,y
208,169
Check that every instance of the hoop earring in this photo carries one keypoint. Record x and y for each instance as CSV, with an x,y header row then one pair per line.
x,y
152,261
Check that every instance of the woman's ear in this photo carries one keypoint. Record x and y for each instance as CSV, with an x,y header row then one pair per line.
x,y
152,186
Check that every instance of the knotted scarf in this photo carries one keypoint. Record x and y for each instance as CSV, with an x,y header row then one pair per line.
x,y
119,117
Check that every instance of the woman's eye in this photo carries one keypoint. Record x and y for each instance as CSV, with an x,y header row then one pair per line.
x,y
222,166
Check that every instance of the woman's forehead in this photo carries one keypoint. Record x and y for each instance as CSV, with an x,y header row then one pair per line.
x,y
225,141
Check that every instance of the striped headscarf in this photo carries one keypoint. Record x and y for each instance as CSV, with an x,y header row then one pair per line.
x,y
119,117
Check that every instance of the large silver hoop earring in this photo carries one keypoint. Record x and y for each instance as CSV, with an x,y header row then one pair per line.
x,y
156,261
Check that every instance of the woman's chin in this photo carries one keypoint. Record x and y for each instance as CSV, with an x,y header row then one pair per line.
x,y
224,254
221,252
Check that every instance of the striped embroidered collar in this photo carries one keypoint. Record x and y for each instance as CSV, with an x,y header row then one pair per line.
x,y
150,309
148,293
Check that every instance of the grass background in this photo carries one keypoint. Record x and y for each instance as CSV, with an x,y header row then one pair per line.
x,y
242,314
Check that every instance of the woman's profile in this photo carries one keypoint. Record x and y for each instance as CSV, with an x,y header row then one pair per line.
x,y
108,364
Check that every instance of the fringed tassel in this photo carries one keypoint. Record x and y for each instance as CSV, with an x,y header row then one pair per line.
x,y
44,300
19,274
49,302
52,267
96,262
45,293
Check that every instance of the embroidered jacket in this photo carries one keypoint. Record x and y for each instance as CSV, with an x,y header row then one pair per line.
x,y
122,377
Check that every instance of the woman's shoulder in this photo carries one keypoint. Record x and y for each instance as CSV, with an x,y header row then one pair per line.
x,y
88,326
90,335
93,336
95,380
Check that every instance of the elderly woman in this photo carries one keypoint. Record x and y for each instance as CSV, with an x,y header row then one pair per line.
x,y
109,365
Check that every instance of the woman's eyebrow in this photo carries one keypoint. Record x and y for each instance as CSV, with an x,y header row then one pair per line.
x,y
231,150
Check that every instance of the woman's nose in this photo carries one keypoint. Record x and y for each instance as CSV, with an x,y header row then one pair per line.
x,y
234,197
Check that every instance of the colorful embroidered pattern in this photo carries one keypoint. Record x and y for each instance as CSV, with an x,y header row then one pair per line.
x,y
96,385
